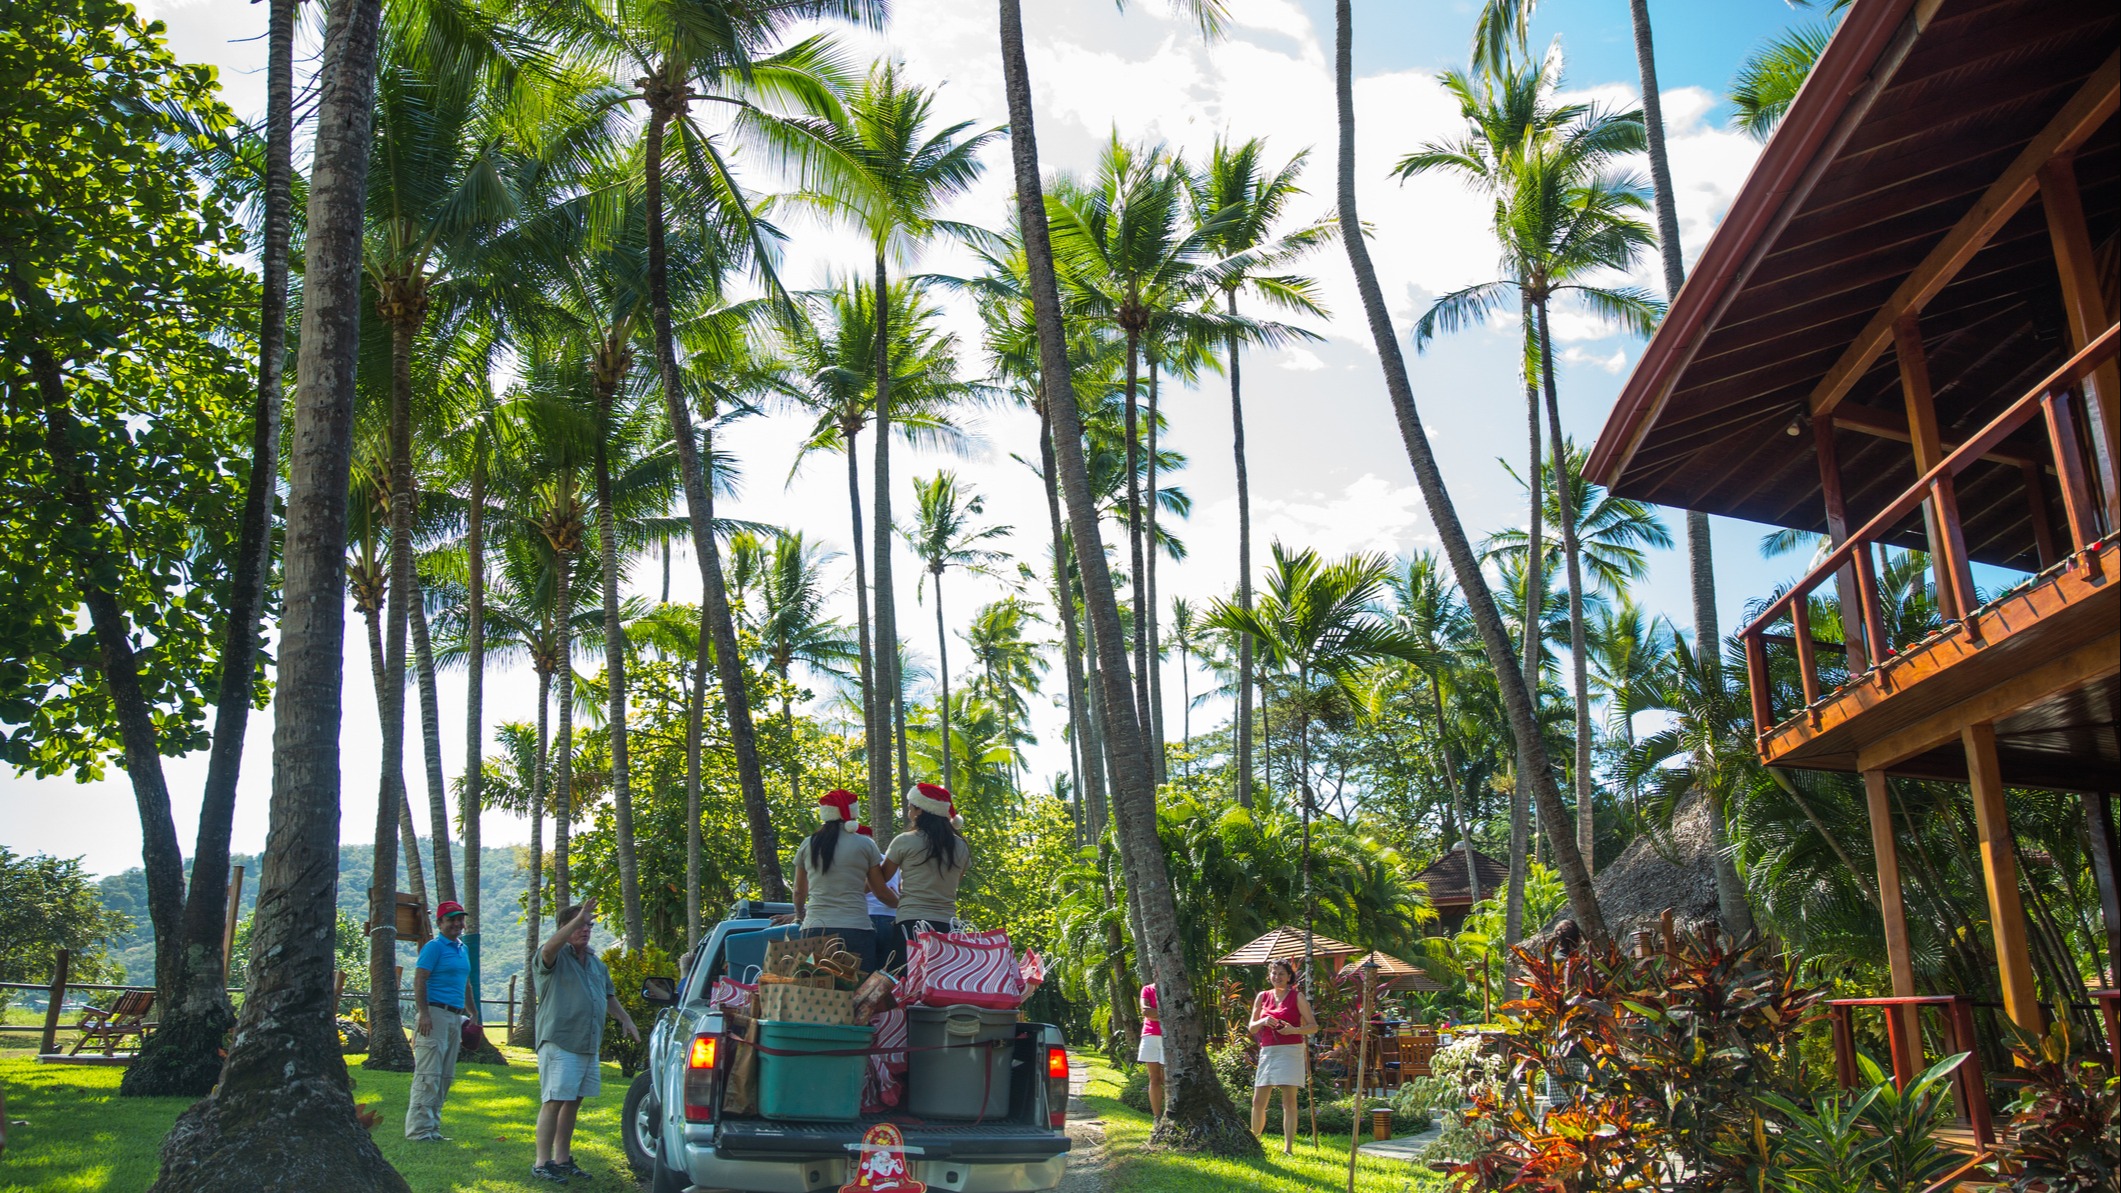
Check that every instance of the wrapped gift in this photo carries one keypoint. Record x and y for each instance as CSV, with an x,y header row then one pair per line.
x,y
963,969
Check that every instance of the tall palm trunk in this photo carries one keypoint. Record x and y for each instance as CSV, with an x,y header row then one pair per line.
x,y
1244,568
423,658
1572,553
526,1024
1534,622
942,671
1138,576
1198,1114
563,738
387,1046
695,725
1459,809
282,1116
183,1056
1480,601
1090,776
1154,716
890,684
1099,760
880,802
615,654
473,801
414,874
666,98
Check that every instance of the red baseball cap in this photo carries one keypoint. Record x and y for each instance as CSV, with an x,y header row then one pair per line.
x,y
449,908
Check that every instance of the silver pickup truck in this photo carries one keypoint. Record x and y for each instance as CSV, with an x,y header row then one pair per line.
x,y
677,1137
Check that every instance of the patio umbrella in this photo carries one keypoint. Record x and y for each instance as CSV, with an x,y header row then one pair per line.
x,y
1286,943
1392,973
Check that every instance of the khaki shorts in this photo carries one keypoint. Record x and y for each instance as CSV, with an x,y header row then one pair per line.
x,y
565,1076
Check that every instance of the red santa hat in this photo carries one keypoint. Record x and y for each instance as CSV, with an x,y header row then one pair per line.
x,y
837,804
865,830
933,797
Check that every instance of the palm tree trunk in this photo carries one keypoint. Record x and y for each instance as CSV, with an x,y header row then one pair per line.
x,y
526,1034
1459,809
1303,788
615,676
1138,575
695,725
1572,553
415,873
1099,759
942,672
423,657
387,1045
183,1056
1480,602
1535,590
880,800
665,100
1244,569
1198,1113
282,1115
1090,778
473,802
890,685
1154,717
563,737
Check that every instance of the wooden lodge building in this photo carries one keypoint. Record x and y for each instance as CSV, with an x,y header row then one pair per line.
x,y
1450,883
1903,335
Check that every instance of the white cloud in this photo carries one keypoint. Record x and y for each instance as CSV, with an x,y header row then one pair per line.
x,y
1611,364
1301,360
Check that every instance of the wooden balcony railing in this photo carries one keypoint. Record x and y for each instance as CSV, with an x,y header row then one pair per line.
x,y
1905,1043
2058,398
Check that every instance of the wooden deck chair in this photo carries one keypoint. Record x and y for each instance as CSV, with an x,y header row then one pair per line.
x,y
127,1016
1416,1051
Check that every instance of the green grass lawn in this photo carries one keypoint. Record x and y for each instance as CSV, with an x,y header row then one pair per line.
x,y
1135,1169
25,1042
83,1138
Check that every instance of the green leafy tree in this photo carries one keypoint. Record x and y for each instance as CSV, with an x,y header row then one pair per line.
x,y
47,904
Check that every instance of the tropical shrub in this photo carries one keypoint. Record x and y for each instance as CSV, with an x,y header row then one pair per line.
x,y
1880,1141
627,970
2065,1128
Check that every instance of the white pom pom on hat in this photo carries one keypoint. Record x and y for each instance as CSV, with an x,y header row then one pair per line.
x,y
838,805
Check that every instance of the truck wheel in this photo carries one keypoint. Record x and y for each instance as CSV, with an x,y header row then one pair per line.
x,y
640,1126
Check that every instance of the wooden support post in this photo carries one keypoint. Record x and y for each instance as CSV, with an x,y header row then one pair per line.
x,y
511,1006
1807,655
235,905
2106,855
2085,308
2077,510
1906,1035
1915,391
1837,532
1756,682
338,990
54,997
1999,867
2036,511
1967,1080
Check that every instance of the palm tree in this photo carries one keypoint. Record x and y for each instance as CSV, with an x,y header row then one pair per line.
x,y
1435,623
1185,635
281,1114
1009,667
1197,1113
1465,565
944,536
789,618
903,174
1560,219
1770,77
1237,194
1631,652
1504,26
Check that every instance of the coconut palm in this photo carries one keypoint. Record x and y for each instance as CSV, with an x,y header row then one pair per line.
x,y
788,616
944,535
1244,200
1185,637
1770,77
1517,696
1433,619
1008,665
1631,651
904,171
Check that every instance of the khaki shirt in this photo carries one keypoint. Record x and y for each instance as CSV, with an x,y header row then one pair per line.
x,y
928,891
572,995
835,898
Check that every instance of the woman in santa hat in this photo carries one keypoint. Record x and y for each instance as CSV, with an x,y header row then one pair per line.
x,y
933,857
835,868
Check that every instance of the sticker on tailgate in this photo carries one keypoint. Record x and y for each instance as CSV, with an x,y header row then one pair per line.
x,y
881,1164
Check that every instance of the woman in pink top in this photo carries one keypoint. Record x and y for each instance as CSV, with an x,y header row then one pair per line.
x,y
1151,1054
1281,1018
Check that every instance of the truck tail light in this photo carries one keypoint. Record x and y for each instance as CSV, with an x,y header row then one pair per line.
x,y
1056,1086
700,1071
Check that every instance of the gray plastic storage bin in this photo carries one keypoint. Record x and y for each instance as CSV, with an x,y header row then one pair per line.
x,y
959,1079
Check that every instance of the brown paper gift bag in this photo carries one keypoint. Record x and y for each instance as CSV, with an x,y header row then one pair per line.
x,y
742,1094
791,1003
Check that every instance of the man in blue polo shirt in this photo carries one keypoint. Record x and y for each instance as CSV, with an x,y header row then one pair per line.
x,y
438,981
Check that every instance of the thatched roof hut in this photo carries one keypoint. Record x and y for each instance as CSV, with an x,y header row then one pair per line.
x,y
1672,870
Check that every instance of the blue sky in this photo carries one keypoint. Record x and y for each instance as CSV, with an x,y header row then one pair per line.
x,y
1327,467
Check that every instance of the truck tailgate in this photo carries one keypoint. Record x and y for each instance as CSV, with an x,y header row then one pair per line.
x,y
760,1139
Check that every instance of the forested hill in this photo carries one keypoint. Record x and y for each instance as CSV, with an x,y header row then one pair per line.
x,y
503,876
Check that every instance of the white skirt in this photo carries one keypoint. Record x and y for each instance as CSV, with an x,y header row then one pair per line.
x,y
1152,1050
1280,1064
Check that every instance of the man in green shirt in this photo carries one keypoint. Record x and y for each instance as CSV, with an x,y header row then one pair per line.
x,y
574,995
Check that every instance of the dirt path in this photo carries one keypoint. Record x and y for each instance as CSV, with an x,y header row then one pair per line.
x,y
1086,1160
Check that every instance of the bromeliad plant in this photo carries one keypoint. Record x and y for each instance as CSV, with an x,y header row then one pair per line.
x,y
1661,1059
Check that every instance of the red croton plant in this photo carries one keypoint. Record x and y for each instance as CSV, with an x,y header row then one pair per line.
x,y
1659,1057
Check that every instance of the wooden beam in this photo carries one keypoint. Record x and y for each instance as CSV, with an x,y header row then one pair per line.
x,y
2088,109
1883,425
1837,533
2094,660
2106,854
1899,958
1929,452
2088,317
1999,869
2044,547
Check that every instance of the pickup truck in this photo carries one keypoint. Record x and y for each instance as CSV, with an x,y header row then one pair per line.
x,y
677,1136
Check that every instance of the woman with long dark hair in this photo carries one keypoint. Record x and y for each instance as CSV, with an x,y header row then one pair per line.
x,y
932,857
1281,1019
835,867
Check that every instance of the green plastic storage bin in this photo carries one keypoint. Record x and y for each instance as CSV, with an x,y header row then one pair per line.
x,y
812,1088
963,1077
